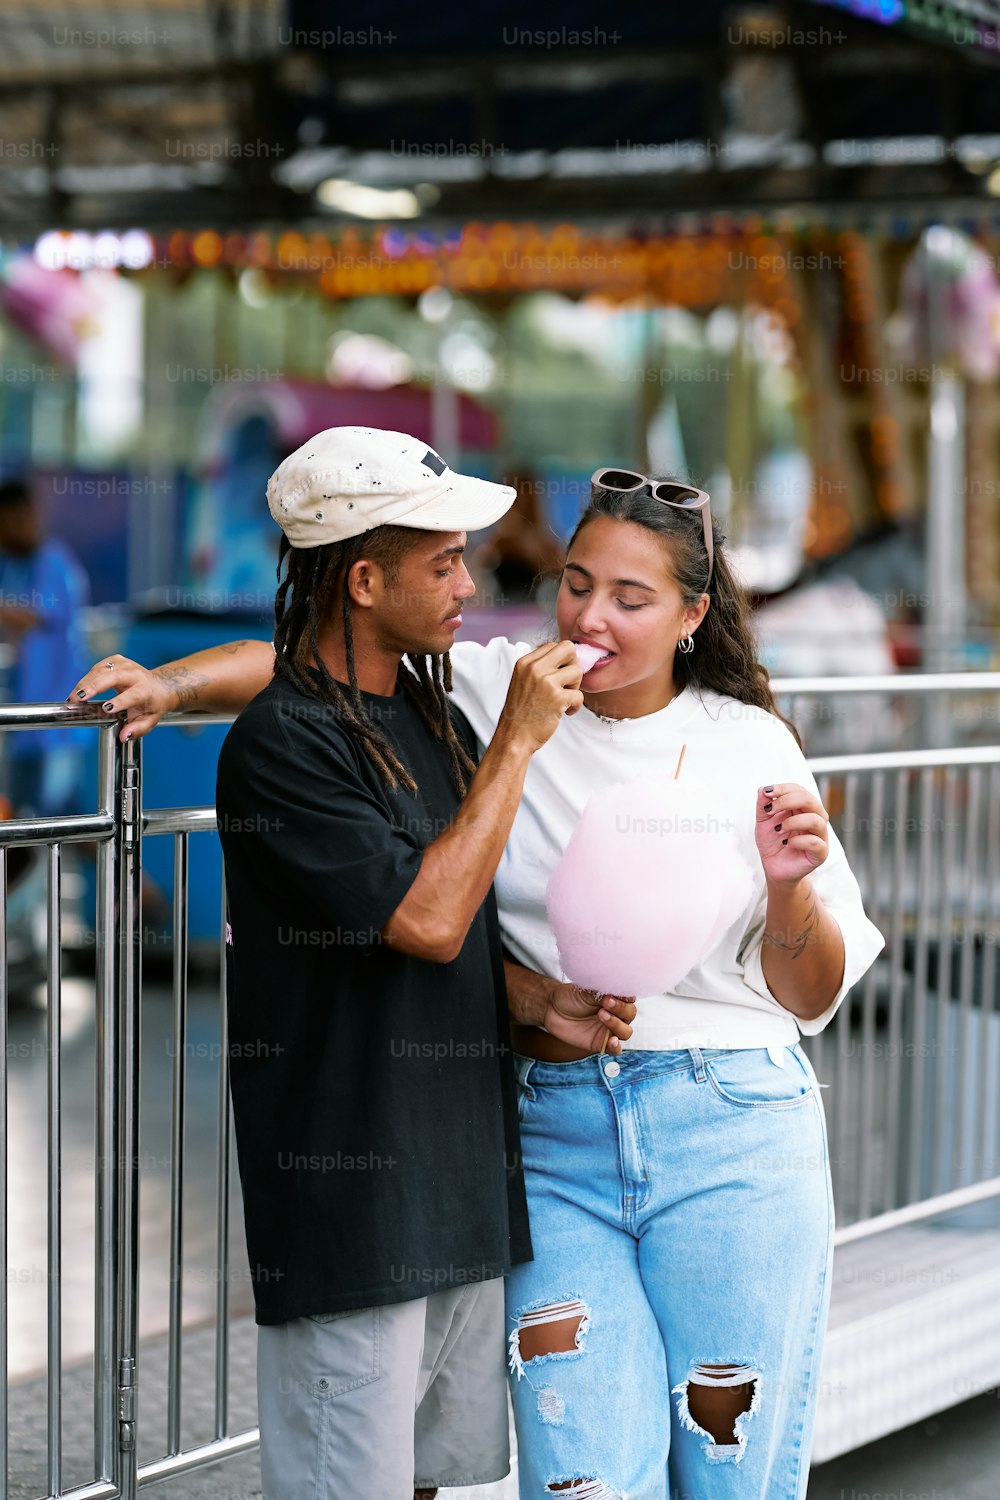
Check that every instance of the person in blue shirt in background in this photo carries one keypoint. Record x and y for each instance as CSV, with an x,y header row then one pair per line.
x,y
42,591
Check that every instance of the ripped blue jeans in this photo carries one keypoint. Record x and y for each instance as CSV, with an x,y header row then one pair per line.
x,y
682,1220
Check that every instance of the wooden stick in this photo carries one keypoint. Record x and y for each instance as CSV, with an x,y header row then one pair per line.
x,y
680,762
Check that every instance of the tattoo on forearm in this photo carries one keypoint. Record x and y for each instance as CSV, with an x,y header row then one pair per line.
x,y
231,647
185,683
799,940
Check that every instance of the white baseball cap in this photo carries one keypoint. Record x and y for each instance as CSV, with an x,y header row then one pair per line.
x,y
347,480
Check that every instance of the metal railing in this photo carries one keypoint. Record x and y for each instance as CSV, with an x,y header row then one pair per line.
x,y
912,1053
912,1060
116,1206
117,829
837,715
930,883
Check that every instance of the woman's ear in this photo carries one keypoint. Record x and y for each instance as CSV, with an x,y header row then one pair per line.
x,y
694,615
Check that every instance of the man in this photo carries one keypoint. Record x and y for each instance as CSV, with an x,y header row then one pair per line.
x,y
42,590
373,1087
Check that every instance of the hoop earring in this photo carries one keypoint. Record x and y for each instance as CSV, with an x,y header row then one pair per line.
x,y
686,645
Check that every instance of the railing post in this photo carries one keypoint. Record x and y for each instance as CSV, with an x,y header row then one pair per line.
x,y
222,1206
54,1173
128,845
178,1080
4,1402
107,1121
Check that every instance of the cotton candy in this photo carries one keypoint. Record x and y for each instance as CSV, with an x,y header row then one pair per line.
x,y
587,655
649,881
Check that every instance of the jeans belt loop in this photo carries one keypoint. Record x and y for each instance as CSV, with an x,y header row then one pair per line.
x,y
699,1064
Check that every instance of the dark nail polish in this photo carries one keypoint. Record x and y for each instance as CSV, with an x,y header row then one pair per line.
x,y
80,693
769,789
768,806
777,827
108,708
784,841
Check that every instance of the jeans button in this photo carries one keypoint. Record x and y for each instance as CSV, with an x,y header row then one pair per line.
x,y
611,1068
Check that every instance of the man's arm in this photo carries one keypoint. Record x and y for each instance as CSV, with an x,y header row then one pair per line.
x,y
457,869
222,679
580,1017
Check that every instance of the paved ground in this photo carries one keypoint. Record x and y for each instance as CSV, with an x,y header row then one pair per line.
x,y
955,1456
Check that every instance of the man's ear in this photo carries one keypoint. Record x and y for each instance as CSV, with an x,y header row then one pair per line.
x,y
365,582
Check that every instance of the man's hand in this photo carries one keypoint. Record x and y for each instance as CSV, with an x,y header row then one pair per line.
x,y
582,1017
146,695
219,680
545,685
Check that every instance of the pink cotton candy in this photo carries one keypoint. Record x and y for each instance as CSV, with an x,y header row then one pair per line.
x,y
649,881
587,655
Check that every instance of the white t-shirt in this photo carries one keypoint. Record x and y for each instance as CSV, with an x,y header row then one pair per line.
x,y
724,1001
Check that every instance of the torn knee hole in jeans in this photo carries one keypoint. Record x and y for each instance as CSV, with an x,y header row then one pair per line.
x,y
583,1489
727,1440
550,1330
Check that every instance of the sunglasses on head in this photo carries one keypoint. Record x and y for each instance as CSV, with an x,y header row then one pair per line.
x,y
667,491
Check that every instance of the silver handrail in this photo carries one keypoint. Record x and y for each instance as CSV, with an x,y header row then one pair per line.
x,y
890,682
916,1213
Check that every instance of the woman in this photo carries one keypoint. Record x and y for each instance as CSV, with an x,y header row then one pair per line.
x,y
667,1336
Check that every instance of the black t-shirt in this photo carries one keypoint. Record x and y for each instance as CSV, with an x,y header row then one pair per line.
x,y
373,1093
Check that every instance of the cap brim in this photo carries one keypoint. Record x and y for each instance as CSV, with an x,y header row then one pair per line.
x,y
468,504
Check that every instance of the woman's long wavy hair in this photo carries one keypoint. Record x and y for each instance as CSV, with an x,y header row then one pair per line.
x,y
725,655
314,586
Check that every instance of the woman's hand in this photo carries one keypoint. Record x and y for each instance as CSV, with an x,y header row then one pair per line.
x,y
791,832
583,1018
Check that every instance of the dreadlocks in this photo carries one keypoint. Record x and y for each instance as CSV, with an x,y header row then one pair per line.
x,y
314,577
